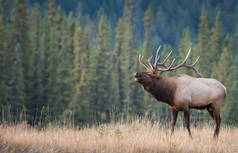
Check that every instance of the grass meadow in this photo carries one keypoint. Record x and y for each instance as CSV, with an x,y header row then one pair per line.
x,y
139,136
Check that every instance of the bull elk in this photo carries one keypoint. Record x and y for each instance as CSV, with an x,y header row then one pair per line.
x,y
182,92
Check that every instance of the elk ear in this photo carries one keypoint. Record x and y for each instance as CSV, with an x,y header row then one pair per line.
x,y
157,74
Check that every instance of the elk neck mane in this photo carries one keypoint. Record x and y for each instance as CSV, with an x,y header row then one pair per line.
x,y
163,89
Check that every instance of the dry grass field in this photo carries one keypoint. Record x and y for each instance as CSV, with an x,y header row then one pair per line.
x,y
135,137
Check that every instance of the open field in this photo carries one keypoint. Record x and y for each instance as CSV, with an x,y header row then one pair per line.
x,y
136,137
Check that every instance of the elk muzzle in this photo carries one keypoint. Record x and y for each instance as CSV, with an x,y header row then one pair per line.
x,y
139,76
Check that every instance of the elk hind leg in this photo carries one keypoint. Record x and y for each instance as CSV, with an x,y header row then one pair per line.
x,y
218,122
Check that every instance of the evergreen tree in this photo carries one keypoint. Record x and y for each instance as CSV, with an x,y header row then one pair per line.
x,y
223,68
102,69
17,67
231,108
185,44
52,12
52,57
3,60
147,47
80,105
118,75
128,54
19,29
64,75
36,91
216,41
203,44
16,95
45,47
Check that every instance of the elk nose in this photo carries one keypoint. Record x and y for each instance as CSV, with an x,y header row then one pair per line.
x,y
136,74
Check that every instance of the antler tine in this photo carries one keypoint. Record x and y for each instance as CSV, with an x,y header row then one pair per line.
x,y
165,60
187,56
142,63
156,56
192,66
172,63
196,61
150,62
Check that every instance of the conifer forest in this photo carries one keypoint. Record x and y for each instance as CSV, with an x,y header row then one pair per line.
x,y
74,60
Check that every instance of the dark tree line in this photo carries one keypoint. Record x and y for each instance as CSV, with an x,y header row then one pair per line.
x,y
57,65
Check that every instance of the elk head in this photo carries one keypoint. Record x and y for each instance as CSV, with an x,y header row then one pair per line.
x,y
154,71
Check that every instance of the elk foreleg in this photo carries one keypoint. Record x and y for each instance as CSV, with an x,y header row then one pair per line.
x,y
174,119
187,122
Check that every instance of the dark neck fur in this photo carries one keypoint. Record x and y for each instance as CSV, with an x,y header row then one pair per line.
x,y
163,89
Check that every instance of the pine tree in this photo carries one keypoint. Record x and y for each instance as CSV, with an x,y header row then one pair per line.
x,y
230,109
71,30
16,95
203,44
17,67
19,29
147,47
4,54
80,104
216,41
223,68
117,73
128,53
52,87
36,91
52,12
64,75
46,32
102,101
185,44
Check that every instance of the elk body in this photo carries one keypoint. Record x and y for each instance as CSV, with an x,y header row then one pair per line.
x,y
182,92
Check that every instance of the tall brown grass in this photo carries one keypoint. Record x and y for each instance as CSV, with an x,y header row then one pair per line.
x,y
136,137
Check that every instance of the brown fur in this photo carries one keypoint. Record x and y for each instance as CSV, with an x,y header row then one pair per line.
x,y
162,89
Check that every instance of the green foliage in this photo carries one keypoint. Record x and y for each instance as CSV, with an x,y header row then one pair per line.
x,y
203,44
55,64
216,40
185,44
80,104
224,67
118,133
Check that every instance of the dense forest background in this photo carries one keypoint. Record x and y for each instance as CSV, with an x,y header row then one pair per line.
x,y
74,60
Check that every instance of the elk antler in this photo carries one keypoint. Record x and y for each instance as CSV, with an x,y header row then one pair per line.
x,y
155,67
142,63
183,64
